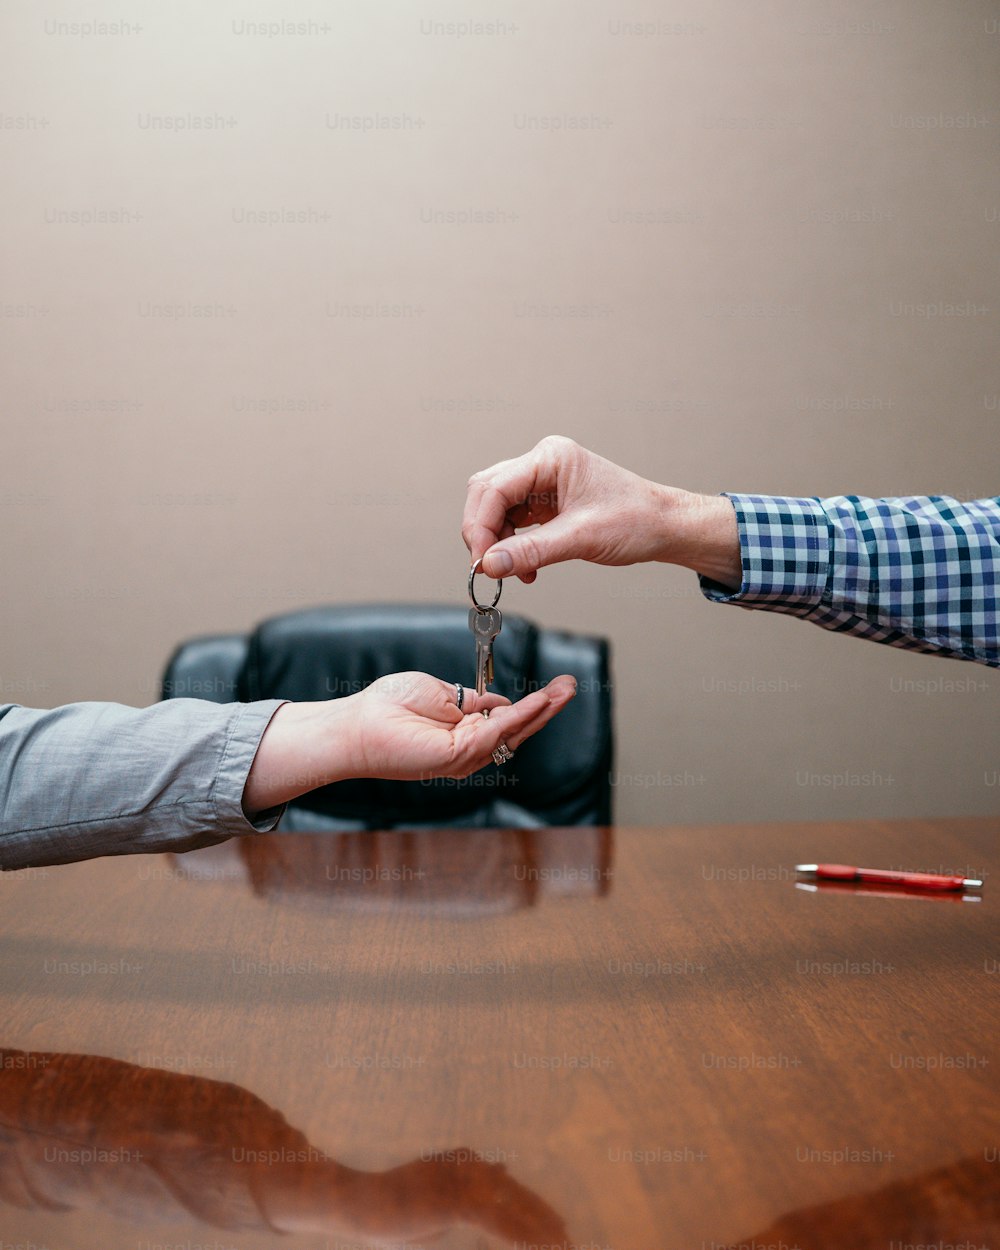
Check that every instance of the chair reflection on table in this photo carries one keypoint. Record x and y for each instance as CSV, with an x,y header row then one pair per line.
x,y
146,1145
455,872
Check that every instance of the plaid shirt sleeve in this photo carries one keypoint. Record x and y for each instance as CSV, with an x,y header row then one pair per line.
x,y
920,573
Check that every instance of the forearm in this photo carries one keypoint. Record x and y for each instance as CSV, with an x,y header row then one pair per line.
x,y
92,779
699,532
306,745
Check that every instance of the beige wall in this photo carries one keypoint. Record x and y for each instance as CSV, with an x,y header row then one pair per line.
x,y
806,177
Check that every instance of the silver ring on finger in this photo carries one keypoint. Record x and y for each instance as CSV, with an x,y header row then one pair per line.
x,y
460,689
502,754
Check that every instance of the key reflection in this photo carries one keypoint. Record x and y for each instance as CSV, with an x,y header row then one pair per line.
x,y
84,1132
449,871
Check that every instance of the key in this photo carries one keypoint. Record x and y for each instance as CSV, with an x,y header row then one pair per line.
x,y
485,625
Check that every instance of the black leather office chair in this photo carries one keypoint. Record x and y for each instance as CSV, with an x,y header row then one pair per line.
x,y
559,777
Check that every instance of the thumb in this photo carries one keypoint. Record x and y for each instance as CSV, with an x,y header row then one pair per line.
x,y
556,540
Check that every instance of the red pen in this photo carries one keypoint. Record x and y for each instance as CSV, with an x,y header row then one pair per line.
x,y
884,876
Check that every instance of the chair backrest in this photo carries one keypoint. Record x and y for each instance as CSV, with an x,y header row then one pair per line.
x,y
559,777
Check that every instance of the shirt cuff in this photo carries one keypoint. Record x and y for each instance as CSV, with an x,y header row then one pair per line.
x,y
785,547
241,748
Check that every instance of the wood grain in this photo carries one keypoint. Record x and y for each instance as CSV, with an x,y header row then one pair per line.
x,y
637,1039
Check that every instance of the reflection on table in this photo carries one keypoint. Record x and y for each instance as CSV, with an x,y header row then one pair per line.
x,y
145,1145
448,871
141,1144
957,1205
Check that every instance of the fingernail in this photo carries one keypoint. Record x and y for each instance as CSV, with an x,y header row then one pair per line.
x,y
498,563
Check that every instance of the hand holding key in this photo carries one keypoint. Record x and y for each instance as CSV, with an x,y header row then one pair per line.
x,y
563,502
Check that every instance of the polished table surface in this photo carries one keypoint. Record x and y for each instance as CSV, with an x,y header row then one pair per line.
x,y
636,1039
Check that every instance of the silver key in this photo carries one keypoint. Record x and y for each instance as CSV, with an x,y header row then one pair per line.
x,y
485,625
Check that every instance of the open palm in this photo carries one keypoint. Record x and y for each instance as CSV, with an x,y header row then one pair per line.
x,y
410,727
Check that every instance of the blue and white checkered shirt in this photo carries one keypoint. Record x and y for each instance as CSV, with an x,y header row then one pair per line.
x,y
921,573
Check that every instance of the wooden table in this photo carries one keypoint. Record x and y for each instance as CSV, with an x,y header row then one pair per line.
x,y
637,1039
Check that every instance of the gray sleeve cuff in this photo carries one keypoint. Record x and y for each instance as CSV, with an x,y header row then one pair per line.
x,y
242,741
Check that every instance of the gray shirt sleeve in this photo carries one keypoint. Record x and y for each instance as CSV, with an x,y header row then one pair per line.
x,y
94,779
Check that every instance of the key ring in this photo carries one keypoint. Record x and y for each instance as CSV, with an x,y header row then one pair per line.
x,y
472,594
